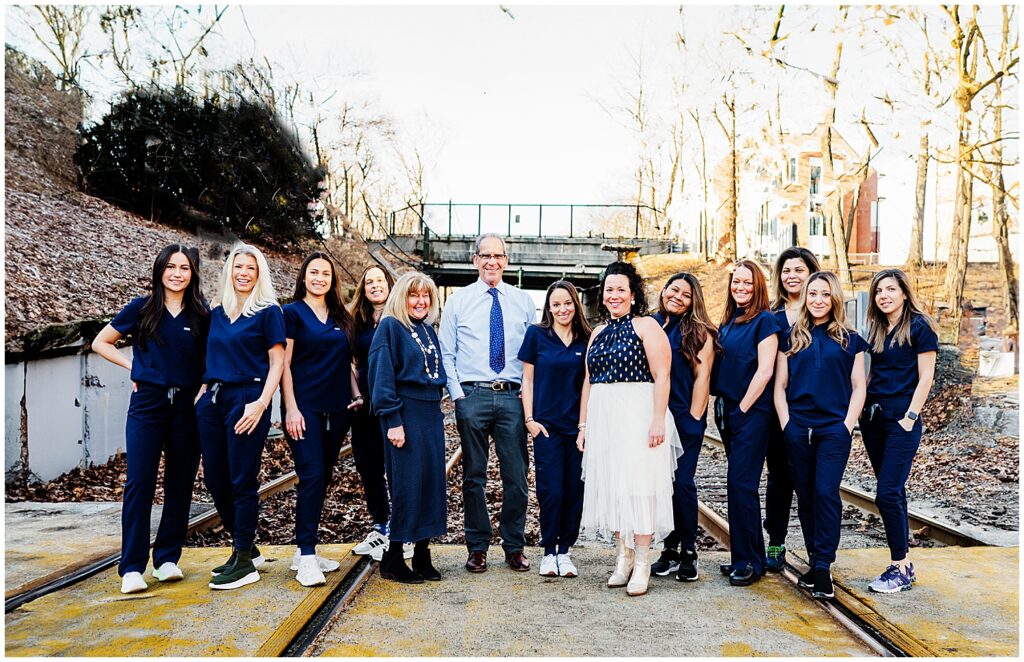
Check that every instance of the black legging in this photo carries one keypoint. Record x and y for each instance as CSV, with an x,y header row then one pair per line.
x,y
368,452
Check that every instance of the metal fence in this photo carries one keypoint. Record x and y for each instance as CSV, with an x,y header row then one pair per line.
x,y
529,220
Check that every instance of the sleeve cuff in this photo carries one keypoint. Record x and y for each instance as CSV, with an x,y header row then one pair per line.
x,y
393,419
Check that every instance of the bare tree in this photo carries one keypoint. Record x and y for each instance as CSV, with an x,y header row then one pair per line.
x,y
62,35
727,242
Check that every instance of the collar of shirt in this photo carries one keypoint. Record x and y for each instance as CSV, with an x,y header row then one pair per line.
x,y
482,288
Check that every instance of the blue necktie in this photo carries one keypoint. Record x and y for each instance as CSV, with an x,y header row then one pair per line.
x,y
497,333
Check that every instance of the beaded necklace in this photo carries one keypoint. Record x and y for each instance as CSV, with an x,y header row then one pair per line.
x,y
427,350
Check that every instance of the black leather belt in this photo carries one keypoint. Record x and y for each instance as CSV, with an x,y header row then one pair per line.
x,y
494,386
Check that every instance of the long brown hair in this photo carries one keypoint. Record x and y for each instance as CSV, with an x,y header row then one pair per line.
x,y
361,307
758,299
838,328
192,302
779,294
334,298
694,325
878,322
580,326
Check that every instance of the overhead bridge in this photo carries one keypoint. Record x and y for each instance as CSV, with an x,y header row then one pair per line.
x,y
545,242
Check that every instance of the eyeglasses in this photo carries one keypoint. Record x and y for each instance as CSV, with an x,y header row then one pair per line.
x,y
492,256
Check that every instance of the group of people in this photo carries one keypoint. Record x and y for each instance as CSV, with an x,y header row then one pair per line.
x,y
616,414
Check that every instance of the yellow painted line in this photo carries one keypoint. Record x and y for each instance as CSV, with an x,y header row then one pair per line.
x,y
278,642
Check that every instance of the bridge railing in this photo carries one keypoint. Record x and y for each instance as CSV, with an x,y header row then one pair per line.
x,y
528,220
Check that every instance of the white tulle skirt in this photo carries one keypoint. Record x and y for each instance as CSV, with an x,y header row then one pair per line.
x,y
627,484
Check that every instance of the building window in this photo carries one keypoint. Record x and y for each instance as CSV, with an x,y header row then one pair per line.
x,y
815,180
817,224
792,170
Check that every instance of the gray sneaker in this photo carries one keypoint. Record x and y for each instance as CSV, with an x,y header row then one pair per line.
x,y
893,580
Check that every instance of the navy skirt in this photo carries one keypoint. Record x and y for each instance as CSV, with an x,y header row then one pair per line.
x,y
419,498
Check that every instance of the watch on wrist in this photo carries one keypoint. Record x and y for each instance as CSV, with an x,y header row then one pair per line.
x,y
912,415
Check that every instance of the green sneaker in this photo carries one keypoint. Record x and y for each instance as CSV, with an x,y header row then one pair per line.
x,y
238,575
257,560
776,558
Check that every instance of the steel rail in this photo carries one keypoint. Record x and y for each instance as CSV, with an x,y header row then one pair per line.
x,y
945,533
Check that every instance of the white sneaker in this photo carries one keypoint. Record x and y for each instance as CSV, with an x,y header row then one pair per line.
x,y
373,545
566,567
326,565
549,566
133,582
309,573
168,572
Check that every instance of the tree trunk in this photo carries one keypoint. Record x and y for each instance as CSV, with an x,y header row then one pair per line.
x,y
1001,218
727,244
916,258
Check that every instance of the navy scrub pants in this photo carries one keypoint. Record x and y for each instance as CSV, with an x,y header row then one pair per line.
x,y
231,462
481,414
819,457
684,488
778,494
160,421
558,466
368,453
315,456
746,443
891,450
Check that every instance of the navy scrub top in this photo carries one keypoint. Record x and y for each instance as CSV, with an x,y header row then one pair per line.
x,y
321,363
364,339
175,358
780,317
236,353
820,387
894,370
558,373
682,376
735,367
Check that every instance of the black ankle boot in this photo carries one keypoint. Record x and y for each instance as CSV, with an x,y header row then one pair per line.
x,y
421,562
392,566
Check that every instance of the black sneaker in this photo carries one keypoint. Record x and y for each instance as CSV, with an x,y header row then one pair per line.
x,y
254,555
666,564
806,580
776,558
823,589
243,572
687,567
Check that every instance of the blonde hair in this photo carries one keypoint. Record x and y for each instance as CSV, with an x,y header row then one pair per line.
x,y
838,328
262,295
396,306
878,322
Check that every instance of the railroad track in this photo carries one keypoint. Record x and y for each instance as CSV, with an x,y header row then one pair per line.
x,y
942,532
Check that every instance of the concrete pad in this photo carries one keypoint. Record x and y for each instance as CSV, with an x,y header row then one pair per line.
x,y
505,613
182,619
965,601
43,541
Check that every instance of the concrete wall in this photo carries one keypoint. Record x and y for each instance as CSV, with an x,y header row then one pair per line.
x,y
76,412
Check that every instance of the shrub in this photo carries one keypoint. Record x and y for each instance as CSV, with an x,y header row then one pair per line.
x,y
171,157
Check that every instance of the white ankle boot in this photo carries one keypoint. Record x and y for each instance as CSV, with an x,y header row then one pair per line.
x,y
641,571
623,564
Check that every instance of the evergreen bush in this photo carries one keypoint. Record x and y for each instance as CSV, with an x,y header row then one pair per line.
x,y
174,158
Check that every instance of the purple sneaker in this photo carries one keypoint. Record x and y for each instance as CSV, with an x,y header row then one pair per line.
x,y
893,580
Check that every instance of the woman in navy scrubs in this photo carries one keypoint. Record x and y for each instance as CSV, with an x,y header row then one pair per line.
x,y
169,331
316,388
904,347
792,268
820,386
406,378
367,441
244,361
691,334
553,355
741,380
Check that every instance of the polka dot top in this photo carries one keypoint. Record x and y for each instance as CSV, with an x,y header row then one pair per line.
x,y
617,355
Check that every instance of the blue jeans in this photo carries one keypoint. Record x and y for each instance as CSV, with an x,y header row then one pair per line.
x,y
231,462
157,425
818,456
480,415
315,456
891,450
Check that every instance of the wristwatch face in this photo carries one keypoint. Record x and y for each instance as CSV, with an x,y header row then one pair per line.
x,y
912,415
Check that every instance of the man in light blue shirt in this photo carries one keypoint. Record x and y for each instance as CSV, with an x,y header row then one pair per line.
x,y
482,329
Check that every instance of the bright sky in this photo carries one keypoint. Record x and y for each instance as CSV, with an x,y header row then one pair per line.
x,y
510,110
